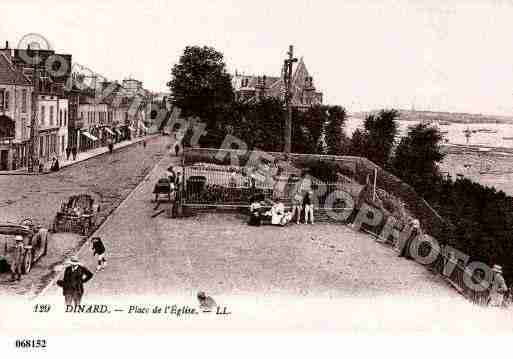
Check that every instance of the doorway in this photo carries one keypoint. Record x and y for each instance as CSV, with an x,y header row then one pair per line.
x,y
4,155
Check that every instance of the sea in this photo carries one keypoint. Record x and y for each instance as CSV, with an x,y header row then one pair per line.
x,y
481,134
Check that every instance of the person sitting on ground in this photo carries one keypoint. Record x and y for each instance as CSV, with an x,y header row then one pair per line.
x,y
255,219
278,214
207,303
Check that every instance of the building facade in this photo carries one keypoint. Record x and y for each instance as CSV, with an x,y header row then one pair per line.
x,y
53,126
15,114
253,88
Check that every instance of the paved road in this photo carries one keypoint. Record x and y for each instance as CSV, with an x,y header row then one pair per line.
x,y
109,178
303,277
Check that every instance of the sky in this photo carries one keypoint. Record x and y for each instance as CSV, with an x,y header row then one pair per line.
x,y
430,55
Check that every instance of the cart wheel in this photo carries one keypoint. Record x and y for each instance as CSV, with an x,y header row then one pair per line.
x,y
27,262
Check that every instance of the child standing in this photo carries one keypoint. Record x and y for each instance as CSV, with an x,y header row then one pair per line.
x,y
307,203
99,249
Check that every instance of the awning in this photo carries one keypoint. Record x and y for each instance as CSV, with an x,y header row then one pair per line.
x,y
88,135
109,131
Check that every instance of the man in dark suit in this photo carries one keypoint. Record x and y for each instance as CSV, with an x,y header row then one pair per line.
x,y
75,275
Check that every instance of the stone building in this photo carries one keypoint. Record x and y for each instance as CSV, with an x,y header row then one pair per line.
x,y
15,114
304,93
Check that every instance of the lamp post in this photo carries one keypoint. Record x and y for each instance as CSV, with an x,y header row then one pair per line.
x,y
287,79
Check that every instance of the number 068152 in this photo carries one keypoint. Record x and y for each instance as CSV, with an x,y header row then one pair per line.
x,y
30,343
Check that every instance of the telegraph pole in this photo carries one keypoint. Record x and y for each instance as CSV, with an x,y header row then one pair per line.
x,y
34,125
287,79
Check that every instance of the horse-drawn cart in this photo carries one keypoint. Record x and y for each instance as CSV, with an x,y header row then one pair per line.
x,y
164,186
35,242
77,215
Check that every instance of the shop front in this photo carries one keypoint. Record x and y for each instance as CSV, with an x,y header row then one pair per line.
x,y
88,141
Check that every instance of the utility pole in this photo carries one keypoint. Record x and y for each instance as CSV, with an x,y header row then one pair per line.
x,y
34,124
287,79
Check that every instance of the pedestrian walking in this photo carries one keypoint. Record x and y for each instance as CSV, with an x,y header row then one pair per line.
x,y
297,201
75,275
498,288
68,152
307,204
177,149
171,174
17,260
99,250
74,152
144,143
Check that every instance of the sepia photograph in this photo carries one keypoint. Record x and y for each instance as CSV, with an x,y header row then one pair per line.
x,y
292,167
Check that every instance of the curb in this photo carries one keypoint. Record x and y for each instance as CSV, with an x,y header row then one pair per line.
x,y
81,248
26,173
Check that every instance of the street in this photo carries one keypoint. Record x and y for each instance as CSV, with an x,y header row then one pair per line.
x,y
109,178
300,276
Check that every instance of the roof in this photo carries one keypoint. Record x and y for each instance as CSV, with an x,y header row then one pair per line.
x,y
9,75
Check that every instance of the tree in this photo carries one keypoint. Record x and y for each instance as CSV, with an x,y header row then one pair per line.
x,y
417,157
200,83
260,125
334,136
380,133
357,145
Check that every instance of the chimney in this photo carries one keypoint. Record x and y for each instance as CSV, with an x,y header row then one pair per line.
x,y
7,52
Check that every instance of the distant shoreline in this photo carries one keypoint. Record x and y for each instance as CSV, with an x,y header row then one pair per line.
x,y
452,117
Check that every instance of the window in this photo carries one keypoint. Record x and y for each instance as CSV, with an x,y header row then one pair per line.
x,y
51,115
43,115
65,117
7,93
2,97
24,101
62,144
41,146
60,117
23,128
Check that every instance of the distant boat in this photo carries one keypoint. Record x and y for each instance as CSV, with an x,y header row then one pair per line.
x,y
486,130
508,138
444,123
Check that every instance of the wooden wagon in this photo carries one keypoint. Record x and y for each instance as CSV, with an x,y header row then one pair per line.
x,y
77,215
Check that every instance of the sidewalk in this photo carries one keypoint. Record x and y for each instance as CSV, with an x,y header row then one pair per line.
x,y
82,156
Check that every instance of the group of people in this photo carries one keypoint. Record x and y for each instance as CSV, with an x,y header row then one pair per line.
x,y
71,151
259,210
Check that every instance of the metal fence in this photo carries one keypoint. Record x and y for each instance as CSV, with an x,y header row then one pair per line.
x,y
216,177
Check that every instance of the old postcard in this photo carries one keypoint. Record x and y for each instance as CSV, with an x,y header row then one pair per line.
x,y
222,166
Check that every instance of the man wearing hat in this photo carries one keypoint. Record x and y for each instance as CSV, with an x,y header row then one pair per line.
x,y
498,287
75,275
17,259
